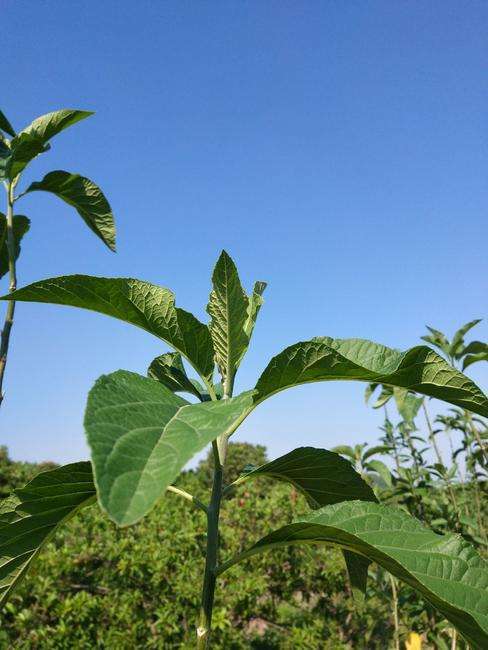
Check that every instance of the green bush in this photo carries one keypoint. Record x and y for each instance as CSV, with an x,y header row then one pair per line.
x,y
99,586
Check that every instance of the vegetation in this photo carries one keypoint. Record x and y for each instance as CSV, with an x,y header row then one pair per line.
x,y
16,153
142,433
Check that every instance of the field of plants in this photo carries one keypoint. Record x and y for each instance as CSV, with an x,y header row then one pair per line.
x,y
369,546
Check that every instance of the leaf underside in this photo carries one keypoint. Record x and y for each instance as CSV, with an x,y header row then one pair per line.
x,y
145,305
324,478
419,369
141,436
29,518
445,569
87,199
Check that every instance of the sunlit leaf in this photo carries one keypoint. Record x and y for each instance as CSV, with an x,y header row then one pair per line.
x,y
444,569
145,305
255,304
227,308
48,125
141,435
419,369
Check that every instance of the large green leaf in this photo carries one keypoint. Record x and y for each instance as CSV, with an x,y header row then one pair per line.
x,y
48,125
30,517
228,306
87,199
140,303
5,125
445,569
142,435
419,369
169,370
21,225
324,478
23,148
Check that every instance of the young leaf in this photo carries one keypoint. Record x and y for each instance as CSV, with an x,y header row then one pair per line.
x,y
140,303
469,359
408,405
255,303
29,518
458,338
142,435
48,125
444,569
324,478
21,226
169,370
87,199
419,369
5,125
227,308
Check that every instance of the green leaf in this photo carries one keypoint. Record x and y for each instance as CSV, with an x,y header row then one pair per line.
x,y
29,518
458,338
475,347
419,369
382,470
378,449
87,199
444,569
23,148
142,435
169,370
324,478
255,303
21,225
227,307
408,405
5,125
474,358
145,305
48,125
5,154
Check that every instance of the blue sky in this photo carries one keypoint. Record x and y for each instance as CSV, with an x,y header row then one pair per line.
x,y
336,150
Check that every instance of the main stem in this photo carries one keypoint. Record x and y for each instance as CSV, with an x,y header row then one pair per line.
x,y
9,317
209,578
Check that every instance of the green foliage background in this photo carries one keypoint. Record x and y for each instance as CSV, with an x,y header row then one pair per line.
x,y
99,586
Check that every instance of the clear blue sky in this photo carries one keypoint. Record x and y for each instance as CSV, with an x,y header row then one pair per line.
x,y
337,150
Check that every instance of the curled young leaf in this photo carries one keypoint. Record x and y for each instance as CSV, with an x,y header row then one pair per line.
x,y
21,226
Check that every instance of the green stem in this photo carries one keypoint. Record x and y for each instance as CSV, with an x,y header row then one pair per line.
x,y
9,317
210,577
396,621
188,497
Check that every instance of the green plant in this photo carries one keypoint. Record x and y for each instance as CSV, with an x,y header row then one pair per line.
x,y
81,193
142,433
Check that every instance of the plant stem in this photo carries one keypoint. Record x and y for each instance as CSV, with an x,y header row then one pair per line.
x,y
188,497
209,579
9,317
396,623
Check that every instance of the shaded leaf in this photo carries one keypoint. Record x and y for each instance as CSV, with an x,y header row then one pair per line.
x,y
21,225
444,569
458,338
145,305
408,405
169,370
29,518
141,436
23,148
474,358
227,308
87,199
5,125
324,478
419,369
